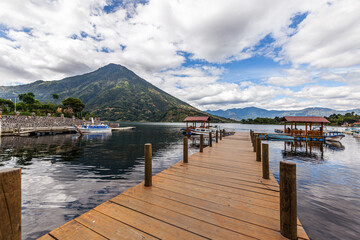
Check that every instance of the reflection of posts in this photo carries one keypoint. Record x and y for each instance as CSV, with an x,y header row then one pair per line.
x,y
288,200
148,165
10,203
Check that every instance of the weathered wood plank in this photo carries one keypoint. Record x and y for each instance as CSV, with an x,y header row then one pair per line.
x,y
74,230
145,223
109,227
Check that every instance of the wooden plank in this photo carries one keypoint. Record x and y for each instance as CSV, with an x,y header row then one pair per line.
x,y
46,237
10,204
213,183
145,223
230,192
74,230
222,182
225,198
178,219
207,216
109,227
222,179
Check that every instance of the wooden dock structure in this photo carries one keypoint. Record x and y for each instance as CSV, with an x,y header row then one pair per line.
x,y
218,194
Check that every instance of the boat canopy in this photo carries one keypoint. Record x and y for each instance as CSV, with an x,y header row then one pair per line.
x,y
293,120
306,119
198,119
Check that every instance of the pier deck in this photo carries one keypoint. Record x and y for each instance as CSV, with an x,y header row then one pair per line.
x,y
219,194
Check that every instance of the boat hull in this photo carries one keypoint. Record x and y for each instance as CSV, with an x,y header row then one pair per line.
x,y
280,136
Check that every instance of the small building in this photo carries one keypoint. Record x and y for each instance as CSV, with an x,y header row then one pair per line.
x,y
292,122
197,122
357,123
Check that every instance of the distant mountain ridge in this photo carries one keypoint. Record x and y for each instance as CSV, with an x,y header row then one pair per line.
x,y
114,93
253,112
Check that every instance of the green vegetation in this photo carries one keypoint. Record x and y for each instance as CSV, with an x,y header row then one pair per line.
x,y
28,104
273,121
339,119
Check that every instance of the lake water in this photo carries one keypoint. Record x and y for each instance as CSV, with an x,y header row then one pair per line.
x,y
64,176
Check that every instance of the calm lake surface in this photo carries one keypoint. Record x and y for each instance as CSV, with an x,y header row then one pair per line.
x,y
64,176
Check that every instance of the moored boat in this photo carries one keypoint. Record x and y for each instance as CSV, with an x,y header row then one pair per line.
x,y
101,128
280,137
333,136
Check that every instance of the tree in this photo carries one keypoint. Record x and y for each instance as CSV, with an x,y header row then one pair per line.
x,y
74,103
55,96
28,98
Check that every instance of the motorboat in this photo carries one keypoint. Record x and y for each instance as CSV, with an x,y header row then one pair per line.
x,y
280,137
333,136
101,128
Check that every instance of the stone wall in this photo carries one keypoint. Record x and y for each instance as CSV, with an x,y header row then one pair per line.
x,y
9,123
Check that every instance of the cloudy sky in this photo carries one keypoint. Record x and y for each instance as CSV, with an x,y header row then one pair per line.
x,y
276,54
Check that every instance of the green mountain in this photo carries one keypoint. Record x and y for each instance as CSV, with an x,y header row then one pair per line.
x,y
114,93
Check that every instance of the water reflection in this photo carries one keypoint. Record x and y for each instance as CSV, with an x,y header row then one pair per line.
x,y
305,151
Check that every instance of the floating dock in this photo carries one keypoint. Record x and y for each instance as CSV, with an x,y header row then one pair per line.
x,y
218,194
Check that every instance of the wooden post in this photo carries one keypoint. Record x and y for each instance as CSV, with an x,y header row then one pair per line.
x,y
185,150
224,133
288,201
258,149
201,142
265,160
220,134
254,142
10,204
210,139
148,165
217,136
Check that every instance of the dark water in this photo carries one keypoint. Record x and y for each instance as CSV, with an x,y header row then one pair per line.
x,y
64,176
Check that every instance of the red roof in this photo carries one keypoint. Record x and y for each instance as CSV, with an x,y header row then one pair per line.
x,y
197,119
305,119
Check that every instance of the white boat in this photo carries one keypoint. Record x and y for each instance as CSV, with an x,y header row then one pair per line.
x,y
102,128
333,136
356,134
198,131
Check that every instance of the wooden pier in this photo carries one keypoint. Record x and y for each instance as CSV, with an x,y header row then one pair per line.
x,y
219,194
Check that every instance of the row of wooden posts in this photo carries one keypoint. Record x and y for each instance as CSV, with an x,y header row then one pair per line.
x,y
288,195
148,153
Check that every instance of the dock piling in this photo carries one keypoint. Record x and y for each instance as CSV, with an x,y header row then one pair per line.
x,y
10,204
265,160
224,133
185,150
148,165
258,149
221,135
288,200
217,136
201,142
210,139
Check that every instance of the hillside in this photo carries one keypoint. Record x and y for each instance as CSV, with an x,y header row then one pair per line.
x,y
114,93
253,112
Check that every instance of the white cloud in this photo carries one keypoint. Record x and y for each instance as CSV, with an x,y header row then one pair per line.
x,y
329,37
292,78
53,39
